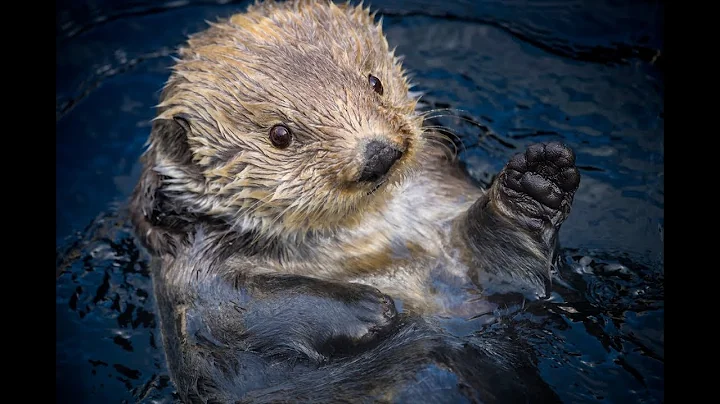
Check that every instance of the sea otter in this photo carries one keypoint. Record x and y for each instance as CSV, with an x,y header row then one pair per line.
x,y
292,199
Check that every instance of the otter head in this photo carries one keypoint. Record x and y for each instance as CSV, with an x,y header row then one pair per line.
x,y
293,117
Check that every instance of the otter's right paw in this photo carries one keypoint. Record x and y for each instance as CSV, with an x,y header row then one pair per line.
x,y
365,313
354,316
317,318
538,185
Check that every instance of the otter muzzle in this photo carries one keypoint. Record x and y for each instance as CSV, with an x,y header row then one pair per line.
x,y
379,158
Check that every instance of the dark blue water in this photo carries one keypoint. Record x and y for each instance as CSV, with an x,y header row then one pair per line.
x,y
588,73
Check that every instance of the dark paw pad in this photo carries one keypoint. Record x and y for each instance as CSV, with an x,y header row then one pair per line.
x,y
539,184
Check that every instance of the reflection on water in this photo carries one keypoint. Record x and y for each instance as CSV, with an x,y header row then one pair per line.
x,y
512,73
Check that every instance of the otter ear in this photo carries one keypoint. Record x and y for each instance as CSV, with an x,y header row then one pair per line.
x,y
169,138
160,221
183,121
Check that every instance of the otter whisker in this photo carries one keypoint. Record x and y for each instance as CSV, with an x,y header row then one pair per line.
x,y
442,131
445,137
433,110
453,152
426,116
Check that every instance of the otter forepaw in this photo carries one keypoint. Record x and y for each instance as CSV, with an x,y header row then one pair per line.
x,y
319,319
373,312
359,318
538,185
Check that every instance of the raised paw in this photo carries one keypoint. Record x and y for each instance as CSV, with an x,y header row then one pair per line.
x,y
538,185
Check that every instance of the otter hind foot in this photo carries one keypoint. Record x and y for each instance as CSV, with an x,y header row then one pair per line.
x,y
538,185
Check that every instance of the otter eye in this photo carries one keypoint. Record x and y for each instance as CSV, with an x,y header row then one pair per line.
x,y
376,84
280,136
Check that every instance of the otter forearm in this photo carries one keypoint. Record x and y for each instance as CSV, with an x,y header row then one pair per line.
x,y
512,230
503,255
274,314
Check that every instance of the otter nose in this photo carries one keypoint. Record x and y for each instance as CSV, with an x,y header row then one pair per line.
x,y
379,157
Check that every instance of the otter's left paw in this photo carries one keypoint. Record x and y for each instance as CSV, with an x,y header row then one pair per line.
x,y
538,185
